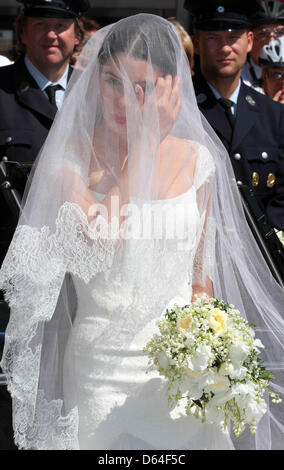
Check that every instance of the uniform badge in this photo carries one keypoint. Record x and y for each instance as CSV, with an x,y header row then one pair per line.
x,y
201,98
271,180
255,179
250,100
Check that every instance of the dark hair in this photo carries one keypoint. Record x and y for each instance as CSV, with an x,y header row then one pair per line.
x,y
142,40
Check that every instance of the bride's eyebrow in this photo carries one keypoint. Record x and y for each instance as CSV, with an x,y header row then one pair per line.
x,y
108,72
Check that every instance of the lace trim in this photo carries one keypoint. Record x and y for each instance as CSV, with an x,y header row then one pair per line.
x,y
55,431
32,294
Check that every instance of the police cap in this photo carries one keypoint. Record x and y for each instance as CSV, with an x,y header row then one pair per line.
x,y
268,12
54,8
220,15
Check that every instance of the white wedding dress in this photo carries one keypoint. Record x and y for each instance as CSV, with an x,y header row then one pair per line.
x,y
120,405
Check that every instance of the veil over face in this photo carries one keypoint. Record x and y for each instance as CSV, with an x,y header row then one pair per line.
x,y
129,135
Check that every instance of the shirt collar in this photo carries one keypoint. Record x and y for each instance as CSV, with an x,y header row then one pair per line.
x,y
41,80
233,97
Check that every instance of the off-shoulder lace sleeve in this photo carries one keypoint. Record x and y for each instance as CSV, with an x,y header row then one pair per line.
x,y
204,184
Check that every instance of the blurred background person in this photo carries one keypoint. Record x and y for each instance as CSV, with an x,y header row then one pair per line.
x,y
267,24
186,42
271,60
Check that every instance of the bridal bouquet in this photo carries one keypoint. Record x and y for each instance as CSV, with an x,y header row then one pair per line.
x,y
210,358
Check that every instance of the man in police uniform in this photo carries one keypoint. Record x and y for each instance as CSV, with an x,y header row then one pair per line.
x,y
48,32
33,87
249,124
267,24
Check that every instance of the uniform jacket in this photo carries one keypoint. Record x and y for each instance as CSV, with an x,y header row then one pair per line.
x,y
25,119
255,146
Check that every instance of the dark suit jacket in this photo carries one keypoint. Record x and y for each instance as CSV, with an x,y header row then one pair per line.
x,y
25,119
256,146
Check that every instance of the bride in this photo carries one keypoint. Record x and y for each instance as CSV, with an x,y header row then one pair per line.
x,y
133,207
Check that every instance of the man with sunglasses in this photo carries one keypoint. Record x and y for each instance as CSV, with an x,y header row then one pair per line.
x,y
267,25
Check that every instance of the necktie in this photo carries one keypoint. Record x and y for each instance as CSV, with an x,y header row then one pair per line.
x,y
51,90
227,105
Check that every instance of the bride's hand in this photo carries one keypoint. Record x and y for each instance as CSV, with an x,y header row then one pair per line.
x,y
167,99
168,102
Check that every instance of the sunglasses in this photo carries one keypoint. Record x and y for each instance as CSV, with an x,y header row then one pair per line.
x,y
275,75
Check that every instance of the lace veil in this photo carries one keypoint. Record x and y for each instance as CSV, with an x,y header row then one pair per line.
x,y
114,152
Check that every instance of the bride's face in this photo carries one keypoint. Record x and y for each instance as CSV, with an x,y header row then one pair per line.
x,y
112,87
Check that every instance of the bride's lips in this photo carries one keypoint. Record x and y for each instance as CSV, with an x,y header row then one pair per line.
x,y
120,119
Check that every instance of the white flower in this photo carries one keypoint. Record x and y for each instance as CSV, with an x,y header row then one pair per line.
x,y
220,384
234,371
238,353
192,387
163,360
224,368
221,398
196,382
193,373
255,410
190,340
201,358
257,343
217,320
243,390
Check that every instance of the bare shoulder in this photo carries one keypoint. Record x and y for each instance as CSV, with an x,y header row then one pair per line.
x,y
181,152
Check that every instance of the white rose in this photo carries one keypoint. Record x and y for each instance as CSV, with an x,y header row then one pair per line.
x,y
238,353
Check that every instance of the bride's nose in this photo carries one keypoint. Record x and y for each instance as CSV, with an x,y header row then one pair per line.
x,y
120,100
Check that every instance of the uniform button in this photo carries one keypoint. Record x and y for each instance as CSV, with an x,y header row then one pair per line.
x,y
8,140
6,185
237,156
264,155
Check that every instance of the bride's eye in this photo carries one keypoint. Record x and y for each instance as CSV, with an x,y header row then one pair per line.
x,y
112,81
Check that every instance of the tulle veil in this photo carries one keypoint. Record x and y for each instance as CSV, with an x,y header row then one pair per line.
x,y
57,238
